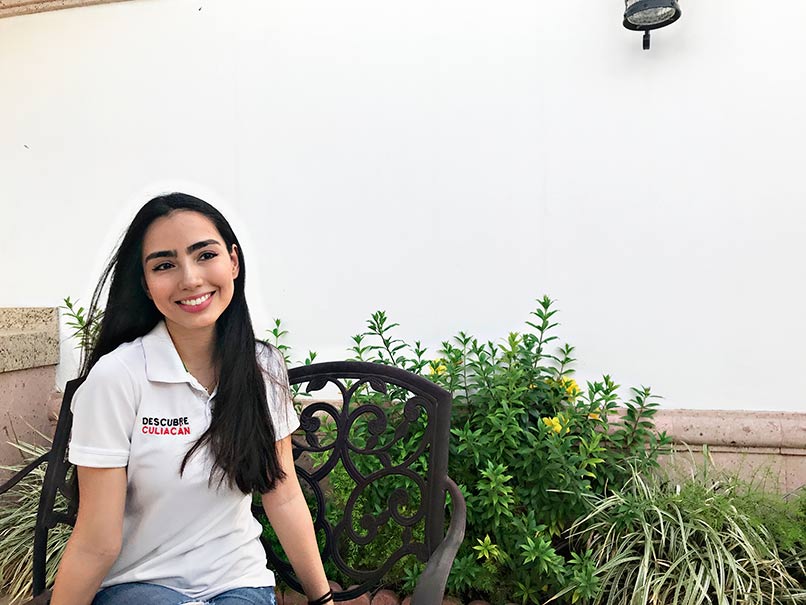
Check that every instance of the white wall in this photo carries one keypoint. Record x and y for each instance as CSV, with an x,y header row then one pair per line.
x,y
448,161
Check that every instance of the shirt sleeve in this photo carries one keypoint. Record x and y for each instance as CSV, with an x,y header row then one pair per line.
x,y
278,393
104,410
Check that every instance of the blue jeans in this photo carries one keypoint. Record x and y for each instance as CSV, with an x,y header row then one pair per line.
x,y
140,593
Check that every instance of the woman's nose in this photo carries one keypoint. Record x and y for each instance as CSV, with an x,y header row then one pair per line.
x,y
191,276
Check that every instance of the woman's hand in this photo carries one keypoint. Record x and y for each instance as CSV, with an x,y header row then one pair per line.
x,y
290,518
95,542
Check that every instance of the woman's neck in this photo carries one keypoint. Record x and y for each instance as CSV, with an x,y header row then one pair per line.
x,y
195,347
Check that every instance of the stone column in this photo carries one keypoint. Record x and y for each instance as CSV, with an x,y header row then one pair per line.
x,y
29,352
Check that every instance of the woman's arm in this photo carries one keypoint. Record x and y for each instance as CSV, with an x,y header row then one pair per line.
x,y
95,542
290,518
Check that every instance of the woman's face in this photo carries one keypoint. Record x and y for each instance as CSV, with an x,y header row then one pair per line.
x,y
188,271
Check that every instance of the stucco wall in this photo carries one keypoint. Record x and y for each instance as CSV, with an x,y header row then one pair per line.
x,y
446,161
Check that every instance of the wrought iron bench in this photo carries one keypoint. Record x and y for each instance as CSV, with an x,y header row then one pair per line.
x,y
389,428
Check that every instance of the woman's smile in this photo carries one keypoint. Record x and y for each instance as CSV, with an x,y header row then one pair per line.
x,y
197,304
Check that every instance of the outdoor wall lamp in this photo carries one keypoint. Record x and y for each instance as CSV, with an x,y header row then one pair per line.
x,y
646,15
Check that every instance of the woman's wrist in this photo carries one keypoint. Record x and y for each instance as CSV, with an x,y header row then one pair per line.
x,y
325,599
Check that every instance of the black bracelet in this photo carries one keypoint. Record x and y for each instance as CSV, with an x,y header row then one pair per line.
x,y
328,596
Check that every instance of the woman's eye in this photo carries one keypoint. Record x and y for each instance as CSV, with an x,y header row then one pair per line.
x,y
207,255
162,267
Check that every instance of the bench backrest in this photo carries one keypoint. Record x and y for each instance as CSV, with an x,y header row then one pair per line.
x,y
385,440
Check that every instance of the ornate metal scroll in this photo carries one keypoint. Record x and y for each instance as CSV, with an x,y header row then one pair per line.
x,y
387,437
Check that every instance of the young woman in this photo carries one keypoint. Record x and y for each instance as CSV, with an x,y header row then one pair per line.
x,y
183,415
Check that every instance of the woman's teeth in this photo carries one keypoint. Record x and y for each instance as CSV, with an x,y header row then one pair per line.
x,y
195,301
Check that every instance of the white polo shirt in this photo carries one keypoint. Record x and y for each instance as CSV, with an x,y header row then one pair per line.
x,y
139,408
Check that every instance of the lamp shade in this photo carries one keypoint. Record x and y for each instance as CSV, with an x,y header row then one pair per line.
x,y
644,15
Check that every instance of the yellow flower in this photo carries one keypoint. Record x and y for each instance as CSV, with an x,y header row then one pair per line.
x,y
571,387
437,367
594,415
555,423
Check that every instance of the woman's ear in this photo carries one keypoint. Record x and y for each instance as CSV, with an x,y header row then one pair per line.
x,y
233,256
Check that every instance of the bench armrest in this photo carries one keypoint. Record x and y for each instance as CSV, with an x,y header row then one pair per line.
x,y
21,474
430,588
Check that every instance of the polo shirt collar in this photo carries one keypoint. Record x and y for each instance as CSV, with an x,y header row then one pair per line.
x,y
163,363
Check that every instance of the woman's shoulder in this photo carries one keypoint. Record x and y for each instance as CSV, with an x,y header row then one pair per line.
x,y
128,354
124,363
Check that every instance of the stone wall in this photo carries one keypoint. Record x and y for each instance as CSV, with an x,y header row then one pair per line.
x,y
768,447
29,352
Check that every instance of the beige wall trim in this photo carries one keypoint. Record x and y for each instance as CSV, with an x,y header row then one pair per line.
x,y
735,428
12,8
29,338
728,430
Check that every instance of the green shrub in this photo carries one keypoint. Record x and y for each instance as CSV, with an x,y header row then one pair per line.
x,y
529,448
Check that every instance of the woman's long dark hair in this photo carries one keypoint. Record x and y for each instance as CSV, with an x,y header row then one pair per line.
x,y
241,434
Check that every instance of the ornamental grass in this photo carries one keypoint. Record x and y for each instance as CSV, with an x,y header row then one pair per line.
x,y
659,541
17,521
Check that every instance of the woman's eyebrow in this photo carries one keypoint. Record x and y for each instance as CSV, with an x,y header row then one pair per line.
x,y
202,244
191,248
161,254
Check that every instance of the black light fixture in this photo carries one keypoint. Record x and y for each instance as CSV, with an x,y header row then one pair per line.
x,y
646,15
